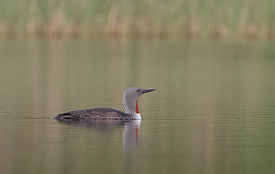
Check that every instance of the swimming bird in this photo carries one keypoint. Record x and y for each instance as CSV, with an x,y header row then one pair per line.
x,y
130,105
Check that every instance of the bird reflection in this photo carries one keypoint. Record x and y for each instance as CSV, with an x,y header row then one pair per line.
x,y
130,129
130,134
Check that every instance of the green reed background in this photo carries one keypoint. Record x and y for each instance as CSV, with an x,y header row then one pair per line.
x,y
251,19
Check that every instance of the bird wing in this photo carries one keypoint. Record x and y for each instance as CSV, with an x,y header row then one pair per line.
x,y
93,114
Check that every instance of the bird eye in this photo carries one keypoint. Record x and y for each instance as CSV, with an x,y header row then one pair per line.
x,y
138,90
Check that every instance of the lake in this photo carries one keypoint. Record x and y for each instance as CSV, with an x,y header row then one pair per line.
x,y
213,111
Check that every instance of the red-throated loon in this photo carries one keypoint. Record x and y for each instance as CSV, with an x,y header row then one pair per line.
x,y
130,105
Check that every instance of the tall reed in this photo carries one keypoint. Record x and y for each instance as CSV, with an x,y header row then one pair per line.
x,y
143,18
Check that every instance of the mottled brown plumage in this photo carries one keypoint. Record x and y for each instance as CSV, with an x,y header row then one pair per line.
x,y
94,114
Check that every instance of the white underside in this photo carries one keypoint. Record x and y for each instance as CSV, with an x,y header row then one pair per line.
x,y
137,116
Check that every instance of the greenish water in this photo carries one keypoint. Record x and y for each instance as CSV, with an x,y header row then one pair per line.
x,y
213,112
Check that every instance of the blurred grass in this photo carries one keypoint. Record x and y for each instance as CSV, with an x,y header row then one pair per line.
x,y
251,19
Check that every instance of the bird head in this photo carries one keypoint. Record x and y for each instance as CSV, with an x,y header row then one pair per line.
x,y
130,98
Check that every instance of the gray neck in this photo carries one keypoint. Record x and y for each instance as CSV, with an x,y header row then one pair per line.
x,y
129,104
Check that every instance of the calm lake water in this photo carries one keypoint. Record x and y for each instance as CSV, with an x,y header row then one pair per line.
x,y
213,112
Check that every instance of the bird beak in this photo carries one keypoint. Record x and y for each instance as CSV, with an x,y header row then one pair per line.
x,y
148,90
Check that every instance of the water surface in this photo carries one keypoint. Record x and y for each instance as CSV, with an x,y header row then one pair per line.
x,y
213,112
